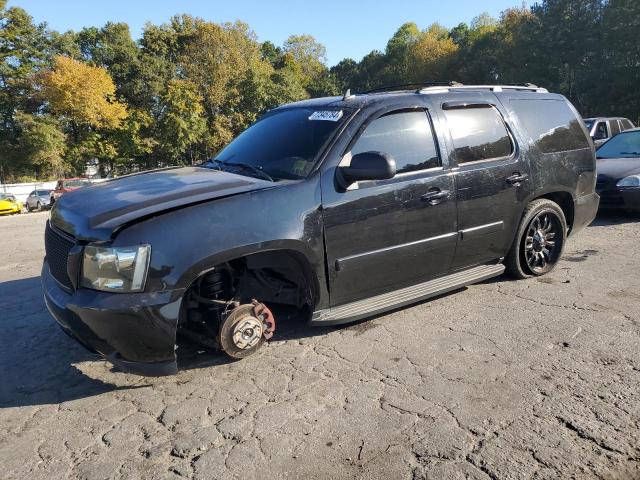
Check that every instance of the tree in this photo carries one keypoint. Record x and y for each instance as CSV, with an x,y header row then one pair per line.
x,y
574,30
42,145
310,54
433,55
398,67
84,94
621,59
181,123
112,48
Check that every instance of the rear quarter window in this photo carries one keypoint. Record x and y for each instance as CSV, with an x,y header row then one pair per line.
x,y
551,124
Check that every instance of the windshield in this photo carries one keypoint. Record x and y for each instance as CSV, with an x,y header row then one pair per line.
x,y
76,183
6,196
623,145
283,145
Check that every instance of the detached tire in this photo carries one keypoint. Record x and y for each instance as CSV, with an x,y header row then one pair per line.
x,y
539,242
241,333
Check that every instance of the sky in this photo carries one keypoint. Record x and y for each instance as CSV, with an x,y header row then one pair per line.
x,y
347,28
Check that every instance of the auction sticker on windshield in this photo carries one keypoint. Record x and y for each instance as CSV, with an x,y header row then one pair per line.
x,y
327,115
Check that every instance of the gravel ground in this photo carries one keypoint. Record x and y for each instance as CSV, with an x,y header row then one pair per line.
x,y
506,379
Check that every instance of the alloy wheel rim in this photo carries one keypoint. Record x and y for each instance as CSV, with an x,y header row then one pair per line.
x,y
542,242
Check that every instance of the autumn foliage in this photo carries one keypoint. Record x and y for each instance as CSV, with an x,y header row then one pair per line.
x,y
82,93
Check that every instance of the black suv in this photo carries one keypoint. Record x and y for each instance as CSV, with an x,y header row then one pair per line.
x,y
342,207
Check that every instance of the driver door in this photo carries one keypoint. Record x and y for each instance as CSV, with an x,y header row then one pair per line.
x,y
382,235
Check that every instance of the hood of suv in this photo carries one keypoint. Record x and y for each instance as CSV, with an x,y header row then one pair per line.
x,y
617,168
95,212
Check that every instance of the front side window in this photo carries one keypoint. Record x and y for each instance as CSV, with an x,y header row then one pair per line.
x,y
284,144
551,124
478,133
627,124
601,131
407,136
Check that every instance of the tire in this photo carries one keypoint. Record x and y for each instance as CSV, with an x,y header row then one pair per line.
x,y
38,206
539,242
242,315
27,207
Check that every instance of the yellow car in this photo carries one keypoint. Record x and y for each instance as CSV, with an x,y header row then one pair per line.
x,y
9,204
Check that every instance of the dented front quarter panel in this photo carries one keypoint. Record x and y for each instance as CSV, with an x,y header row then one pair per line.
x,y
192,240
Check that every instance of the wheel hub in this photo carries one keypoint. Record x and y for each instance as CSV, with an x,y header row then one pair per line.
x,y
539,241
247,332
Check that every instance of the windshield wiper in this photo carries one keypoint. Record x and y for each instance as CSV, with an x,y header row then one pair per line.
x,y
247,166
219,164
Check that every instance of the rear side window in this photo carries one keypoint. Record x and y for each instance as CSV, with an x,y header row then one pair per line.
x,y
551,124
478,133
406,136
615,127
626,124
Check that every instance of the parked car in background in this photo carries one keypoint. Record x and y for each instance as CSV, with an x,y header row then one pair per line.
x,y
340,207
38,199
602,129
9,204
618,165
68,185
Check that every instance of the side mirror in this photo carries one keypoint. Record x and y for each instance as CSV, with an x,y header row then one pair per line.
x,y
369,166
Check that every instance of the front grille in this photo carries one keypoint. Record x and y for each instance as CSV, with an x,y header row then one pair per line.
x,y
57,250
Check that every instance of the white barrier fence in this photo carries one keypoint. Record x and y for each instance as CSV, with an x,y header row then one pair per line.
x,y
22,190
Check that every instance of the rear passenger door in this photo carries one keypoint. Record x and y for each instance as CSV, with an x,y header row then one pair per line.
x,y
491,176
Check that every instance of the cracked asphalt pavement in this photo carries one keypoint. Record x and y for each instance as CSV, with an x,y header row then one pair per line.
x,y
505,379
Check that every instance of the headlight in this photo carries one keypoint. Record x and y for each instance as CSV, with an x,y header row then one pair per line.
x,y
630,181
115,269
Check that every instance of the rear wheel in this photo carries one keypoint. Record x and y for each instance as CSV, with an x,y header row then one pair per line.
x,y
38,206
539,242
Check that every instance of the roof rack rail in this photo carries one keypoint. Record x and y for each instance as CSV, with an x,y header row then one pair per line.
x,y
405,86
494,88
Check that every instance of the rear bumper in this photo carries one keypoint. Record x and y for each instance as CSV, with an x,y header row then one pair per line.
x,y
585,209
620,199
136,332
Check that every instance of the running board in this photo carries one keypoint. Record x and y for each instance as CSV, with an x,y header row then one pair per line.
x,y
405,296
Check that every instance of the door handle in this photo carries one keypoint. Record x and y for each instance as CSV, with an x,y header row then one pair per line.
x,y
434,197
517,178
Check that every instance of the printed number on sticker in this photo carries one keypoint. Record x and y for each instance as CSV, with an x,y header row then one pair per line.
x,y
327,115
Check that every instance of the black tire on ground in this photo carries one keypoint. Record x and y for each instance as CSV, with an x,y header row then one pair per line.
x,y
38,206
539,242
237,318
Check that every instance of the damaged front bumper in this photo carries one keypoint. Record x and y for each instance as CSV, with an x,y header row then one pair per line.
x,y
134,331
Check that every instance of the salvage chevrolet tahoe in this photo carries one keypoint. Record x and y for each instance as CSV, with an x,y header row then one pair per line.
x,y
341,207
